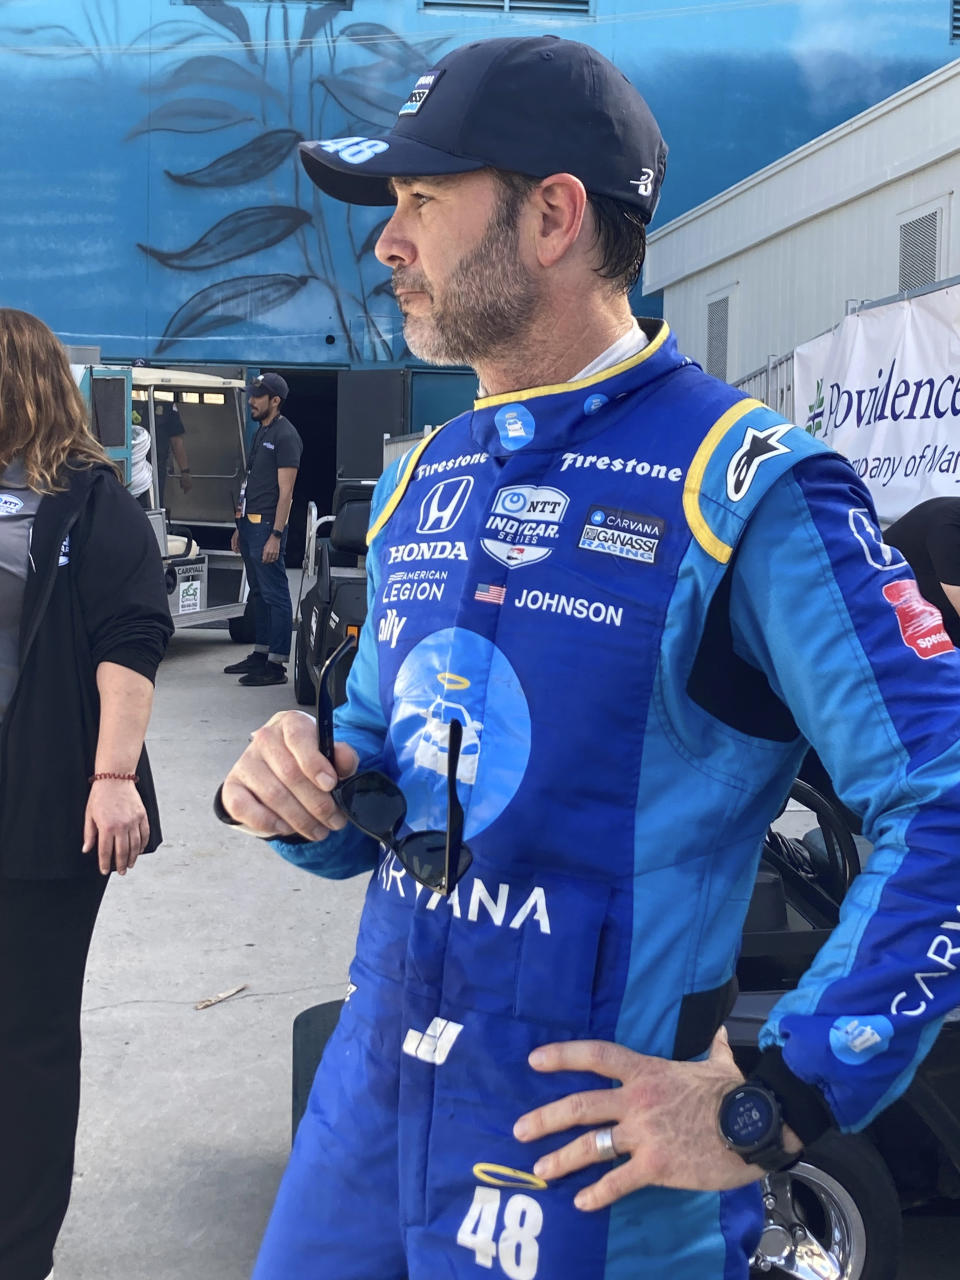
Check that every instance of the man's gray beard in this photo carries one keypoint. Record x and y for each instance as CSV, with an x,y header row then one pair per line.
x,y
488,303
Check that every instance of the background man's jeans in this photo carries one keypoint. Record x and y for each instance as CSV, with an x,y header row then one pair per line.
x,y
274,609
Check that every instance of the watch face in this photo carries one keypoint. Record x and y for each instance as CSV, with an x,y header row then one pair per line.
x,y
747,1117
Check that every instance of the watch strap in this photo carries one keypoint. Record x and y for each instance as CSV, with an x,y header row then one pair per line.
x,y
774,1159
802,1105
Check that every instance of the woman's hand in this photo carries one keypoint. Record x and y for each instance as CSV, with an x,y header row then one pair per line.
x,y
115,824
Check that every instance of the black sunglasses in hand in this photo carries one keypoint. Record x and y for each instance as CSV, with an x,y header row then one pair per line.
x,y
374,803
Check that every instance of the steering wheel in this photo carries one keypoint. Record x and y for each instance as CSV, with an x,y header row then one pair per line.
x,y
843,859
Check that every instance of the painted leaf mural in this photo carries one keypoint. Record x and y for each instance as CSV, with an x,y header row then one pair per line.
x,y
255,158
378,39
211,69
190,115
227,16
228,303
314,20
368,103
56,42
273,73
234,237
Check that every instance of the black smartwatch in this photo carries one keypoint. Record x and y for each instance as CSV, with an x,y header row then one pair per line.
x,y
750,1124
275,533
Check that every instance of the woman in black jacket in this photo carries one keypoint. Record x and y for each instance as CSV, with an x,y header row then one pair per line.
x,y
83,625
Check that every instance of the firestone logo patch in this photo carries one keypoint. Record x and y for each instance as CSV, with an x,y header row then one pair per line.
x,y
921,624
524,524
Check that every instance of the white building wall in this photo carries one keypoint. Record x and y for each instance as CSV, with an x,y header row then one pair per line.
x,y
792,243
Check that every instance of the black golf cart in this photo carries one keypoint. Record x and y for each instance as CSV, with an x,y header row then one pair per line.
x,y
335,605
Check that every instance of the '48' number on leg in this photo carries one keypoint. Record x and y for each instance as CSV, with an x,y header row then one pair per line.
x,y
516,1247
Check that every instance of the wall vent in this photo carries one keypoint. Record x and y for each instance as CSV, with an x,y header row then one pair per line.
x,y
718,319
919,251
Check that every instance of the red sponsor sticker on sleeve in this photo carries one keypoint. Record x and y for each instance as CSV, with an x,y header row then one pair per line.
x,y
920,622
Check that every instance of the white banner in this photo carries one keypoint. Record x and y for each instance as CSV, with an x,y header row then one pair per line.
x,y
884,390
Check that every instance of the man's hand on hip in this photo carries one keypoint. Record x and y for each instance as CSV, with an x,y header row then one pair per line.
x,y
281,784
663,1120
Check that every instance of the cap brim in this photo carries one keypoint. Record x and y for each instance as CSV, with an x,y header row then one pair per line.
x,y
367,181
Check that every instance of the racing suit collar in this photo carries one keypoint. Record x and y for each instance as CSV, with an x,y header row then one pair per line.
x,y
551,417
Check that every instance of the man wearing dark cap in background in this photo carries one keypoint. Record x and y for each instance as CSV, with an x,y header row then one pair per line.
x,y
606,616
263,513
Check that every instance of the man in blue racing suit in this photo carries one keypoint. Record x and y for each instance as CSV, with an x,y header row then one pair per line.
x,y
640,595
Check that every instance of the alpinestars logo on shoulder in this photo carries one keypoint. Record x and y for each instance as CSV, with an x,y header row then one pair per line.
x,y
757,447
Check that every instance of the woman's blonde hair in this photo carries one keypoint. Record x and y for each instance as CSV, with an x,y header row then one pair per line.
x,y
43,417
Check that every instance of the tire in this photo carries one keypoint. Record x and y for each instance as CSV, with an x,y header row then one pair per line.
x,y
243,627
311,1030
302,684
840,1206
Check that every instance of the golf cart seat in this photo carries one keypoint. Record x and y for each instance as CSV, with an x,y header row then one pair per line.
x,y
336,605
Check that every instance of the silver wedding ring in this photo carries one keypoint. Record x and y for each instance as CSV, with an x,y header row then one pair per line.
x,y
604,1140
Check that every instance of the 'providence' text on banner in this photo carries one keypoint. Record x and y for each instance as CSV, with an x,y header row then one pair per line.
x,y
883,389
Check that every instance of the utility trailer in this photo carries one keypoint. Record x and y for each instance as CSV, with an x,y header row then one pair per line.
x,y
191,520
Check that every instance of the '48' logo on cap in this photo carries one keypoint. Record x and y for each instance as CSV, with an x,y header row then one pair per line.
x,y
355,150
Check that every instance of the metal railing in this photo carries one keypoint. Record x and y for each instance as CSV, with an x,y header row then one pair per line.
x,y
396,446
773,384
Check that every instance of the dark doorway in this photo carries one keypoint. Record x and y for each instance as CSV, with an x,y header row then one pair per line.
x,y
312,408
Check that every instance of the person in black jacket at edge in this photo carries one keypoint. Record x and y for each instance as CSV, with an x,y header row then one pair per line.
x,y
928,538
84,624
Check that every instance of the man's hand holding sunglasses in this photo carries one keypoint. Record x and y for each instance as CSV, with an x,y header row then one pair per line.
x,y
287,776
282,784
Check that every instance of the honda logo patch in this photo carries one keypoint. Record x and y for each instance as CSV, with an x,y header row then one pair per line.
x,y
444,505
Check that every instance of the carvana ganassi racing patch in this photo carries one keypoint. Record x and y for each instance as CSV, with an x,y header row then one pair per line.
x,y
622,533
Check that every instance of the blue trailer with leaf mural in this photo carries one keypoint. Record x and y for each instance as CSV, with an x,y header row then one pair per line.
x,y
161,212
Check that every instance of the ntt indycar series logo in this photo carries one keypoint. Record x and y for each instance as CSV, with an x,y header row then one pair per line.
x,y
524,523
622,533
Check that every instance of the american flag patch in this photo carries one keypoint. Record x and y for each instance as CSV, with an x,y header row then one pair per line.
x,y
490,594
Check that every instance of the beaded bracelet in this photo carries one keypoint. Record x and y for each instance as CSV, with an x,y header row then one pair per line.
x,y
118,777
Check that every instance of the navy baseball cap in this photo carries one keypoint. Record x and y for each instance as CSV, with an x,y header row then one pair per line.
x,y
268,384
535,105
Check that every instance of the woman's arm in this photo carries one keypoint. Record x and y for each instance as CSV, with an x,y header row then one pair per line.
x,y
116,821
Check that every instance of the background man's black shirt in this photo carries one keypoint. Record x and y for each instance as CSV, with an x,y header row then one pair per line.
x,y
167,423
928,538
275,446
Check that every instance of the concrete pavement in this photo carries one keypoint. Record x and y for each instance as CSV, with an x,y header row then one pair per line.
x,y
185,1121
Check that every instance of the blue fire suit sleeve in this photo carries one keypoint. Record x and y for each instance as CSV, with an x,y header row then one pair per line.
x,y
360,722
832,617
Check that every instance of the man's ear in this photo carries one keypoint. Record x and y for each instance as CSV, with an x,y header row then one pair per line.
x,y
559,204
